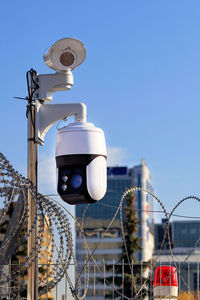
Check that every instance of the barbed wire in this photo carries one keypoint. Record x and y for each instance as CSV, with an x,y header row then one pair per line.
x,y
137,209
50,219
166,234
54,235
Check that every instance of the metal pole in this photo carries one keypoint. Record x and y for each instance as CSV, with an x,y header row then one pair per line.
x,y
32,283
198,279
113,279
104,278
10,289
85,276
188,280
132,279
122,279
94,279
18,297
65,286
47,293
179,283
151,280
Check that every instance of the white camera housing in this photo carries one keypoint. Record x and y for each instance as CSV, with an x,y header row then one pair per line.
x,y
81,163
65,54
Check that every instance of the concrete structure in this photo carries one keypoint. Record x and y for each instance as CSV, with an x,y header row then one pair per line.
x,y
107,245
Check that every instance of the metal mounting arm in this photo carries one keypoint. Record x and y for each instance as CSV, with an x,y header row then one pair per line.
x,y
51,83
47,114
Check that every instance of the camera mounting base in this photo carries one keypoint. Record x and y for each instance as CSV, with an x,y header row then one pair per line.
x,y
48,114
51,83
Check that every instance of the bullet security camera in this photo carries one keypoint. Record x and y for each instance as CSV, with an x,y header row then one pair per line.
x,y
65,54
81,163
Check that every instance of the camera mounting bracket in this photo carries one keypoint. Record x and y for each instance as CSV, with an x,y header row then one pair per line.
x,y
48,114
50,83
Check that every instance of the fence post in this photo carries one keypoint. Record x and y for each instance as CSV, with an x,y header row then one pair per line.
x,y
188,280
160,276
10,289
19,281
56,291
85,275
122,279
198,279
179,284
65,286
113,279
151,280
47,282
104,278
132,280
94,279
141,270
170,278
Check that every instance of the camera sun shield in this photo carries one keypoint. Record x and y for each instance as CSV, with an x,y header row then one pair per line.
x,y
65,54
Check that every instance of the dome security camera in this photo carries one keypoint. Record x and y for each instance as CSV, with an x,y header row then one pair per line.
x,y
81,163
65,54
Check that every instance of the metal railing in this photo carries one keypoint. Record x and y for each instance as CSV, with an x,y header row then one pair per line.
x,y
104,280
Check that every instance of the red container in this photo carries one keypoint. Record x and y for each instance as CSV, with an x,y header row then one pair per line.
x,y
165,276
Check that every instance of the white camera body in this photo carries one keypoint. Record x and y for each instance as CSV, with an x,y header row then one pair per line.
x,y
81,163
63,57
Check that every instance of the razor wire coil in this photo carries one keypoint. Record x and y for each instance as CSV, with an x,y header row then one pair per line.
x,y
51,216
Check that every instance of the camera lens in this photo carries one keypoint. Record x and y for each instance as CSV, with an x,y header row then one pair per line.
x,y
67,59
76,181
64,178
64,187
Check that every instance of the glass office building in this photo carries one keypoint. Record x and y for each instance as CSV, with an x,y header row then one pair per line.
x,y
119,180
106,244
183,235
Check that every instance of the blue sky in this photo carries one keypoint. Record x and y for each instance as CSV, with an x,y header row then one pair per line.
x,y
140,82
